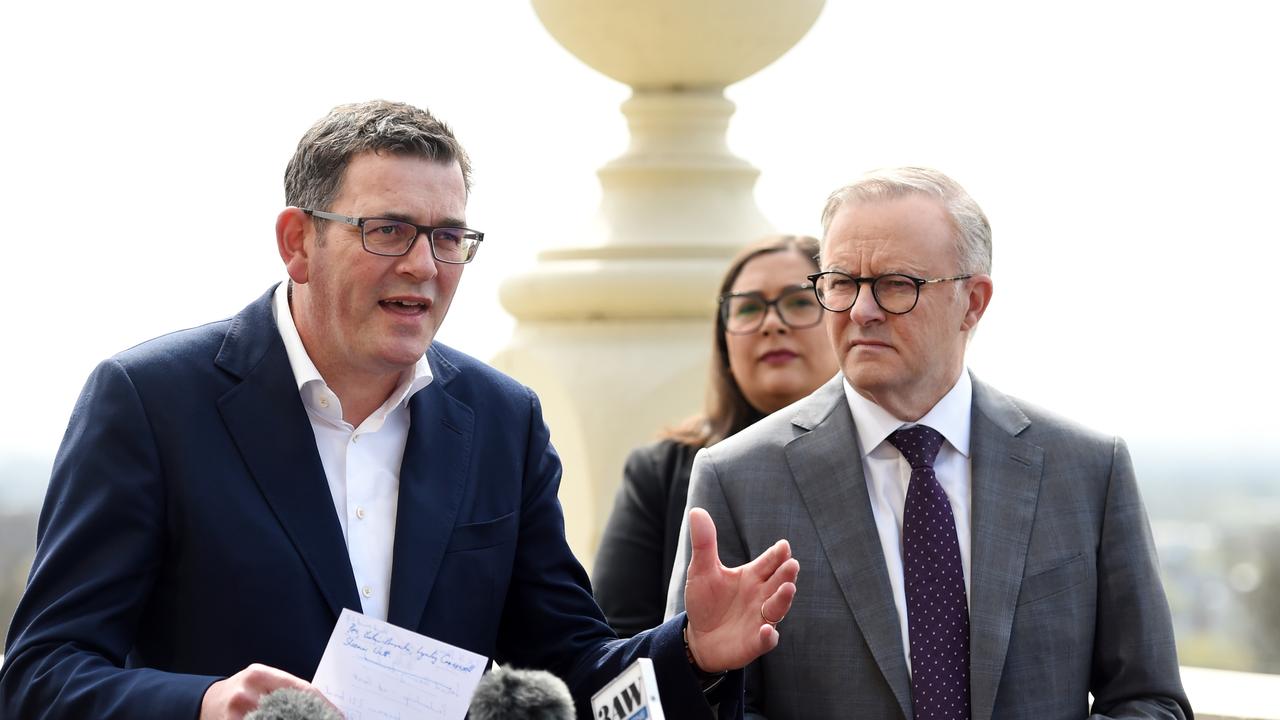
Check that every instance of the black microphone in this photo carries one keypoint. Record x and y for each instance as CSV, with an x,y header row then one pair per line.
x,y
293,704
507,694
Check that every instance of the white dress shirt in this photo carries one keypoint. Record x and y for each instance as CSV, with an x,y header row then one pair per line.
x,y
362,464
888,473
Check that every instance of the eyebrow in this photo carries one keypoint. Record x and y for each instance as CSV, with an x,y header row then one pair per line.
x,y
893,271
403,217
783,291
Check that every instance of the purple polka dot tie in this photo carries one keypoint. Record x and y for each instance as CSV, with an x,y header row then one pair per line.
x,y
937,611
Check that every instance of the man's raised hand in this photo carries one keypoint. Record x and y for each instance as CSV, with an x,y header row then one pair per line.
x,y
733,611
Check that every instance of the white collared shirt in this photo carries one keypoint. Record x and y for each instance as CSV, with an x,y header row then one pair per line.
x,y
888,473
362,464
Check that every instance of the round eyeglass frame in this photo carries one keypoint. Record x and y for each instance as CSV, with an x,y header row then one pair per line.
x,y
875,281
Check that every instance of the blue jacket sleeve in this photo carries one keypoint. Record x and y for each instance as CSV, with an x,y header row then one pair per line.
x,y
99,544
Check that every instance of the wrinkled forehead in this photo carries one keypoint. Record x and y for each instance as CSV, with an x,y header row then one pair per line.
x,y
888,234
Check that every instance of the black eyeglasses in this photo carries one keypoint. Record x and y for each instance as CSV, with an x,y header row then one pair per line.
x,y
895,293
743,313
393,238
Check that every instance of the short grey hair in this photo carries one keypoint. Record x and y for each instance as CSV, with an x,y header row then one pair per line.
x,y
314,175
973,231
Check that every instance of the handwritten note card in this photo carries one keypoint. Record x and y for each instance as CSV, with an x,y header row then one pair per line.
x,y
373,670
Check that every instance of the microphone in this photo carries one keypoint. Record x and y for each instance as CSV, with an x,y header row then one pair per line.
x,y
293,704
507,694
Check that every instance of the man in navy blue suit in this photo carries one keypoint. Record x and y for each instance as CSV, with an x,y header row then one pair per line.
x,y
222,493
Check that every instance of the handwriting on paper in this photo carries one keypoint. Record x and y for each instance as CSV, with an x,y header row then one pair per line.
x,y
373,670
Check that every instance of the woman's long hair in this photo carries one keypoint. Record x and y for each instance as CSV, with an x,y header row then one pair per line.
x,y
727,410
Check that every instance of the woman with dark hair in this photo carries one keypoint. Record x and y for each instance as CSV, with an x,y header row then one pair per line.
x,y
762,362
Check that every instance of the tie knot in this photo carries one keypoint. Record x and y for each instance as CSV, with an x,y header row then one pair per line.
x,y
919,444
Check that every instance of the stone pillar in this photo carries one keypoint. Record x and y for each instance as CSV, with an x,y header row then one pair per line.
x,y
614,331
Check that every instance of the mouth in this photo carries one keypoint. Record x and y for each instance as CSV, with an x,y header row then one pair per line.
x,y
778,357
407,306
869,345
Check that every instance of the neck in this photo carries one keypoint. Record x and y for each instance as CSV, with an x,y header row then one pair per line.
x,y
360,398
361,392
914,404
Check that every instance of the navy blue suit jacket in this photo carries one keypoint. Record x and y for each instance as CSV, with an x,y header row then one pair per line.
x,y
189,531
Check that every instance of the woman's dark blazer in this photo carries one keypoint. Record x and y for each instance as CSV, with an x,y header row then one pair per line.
x,y
633,565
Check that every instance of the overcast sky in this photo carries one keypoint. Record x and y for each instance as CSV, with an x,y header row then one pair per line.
x,y
1126,154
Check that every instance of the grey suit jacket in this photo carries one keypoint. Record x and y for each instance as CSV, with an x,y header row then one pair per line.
x,y
1065,595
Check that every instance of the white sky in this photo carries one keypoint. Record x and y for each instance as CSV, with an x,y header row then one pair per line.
x,y
1126,153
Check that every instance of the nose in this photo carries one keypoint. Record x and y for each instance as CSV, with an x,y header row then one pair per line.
x,y
865,310
418,264
772,322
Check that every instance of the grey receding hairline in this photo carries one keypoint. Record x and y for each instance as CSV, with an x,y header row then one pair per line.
x,y
972,229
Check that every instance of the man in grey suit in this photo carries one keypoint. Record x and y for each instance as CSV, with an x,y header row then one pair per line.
x,y
966,554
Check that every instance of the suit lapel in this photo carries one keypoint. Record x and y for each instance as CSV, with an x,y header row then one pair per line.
x,y
1006,485
433,477
827,469
268,423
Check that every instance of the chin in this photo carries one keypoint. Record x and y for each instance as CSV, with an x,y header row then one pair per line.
x,y
783,394
404,355
778,383
862,377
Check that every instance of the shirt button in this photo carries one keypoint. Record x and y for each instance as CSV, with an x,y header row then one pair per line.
x,y
368,591
355,438
324,402
359,513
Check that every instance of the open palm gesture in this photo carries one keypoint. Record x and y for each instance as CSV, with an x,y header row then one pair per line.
x,y
733,611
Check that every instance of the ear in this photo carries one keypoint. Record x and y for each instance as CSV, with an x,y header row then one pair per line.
x,y
295,239
979,297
